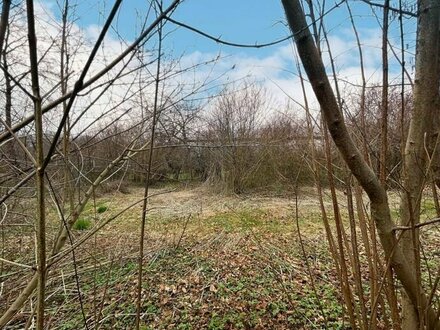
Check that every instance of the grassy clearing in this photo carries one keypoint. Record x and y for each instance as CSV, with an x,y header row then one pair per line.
x,y
247,285
211,263
232,264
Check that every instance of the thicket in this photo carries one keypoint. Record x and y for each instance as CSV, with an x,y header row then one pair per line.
x,y
238,143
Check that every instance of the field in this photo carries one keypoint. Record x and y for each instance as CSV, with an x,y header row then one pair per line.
x,y
212,262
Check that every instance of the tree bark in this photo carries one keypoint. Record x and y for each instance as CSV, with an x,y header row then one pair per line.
x,y
380,210
384,105
39,177
426,85
4,21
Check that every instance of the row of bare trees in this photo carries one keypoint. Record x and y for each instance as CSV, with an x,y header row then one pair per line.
x,y
402,245
69,128
237,143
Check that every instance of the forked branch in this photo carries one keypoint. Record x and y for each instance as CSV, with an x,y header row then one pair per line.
x,y
380,210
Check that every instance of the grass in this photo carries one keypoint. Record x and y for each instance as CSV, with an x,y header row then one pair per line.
x,y
225,273
82,224
101,209
216,288
239,221
235,264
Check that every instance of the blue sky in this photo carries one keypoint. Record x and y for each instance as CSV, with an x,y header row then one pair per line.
x,y
241,21
226,18
257,21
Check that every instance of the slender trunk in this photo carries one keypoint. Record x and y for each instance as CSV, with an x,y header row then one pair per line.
x,y
354,246
414,159
384,104
402,83
340,237
40,186
435,197
370,251
69,189
8,96
380,210
435,139
4,21
147,182
363,87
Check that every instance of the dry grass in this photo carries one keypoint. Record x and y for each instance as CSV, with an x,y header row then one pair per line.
x,y
212,261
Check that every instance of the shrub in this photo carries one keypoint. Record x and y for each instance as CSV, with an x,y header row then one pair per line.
x,y
82,224
102,209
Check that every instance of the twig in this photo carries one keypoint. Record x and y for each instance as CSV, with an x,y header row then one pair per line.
x,y
16,264
183,231
418,225
396,10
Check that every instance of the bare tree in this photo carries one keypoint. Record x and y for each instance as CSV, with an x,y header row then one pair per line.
x,y
40,170
234,123
426,93
380,210
47,151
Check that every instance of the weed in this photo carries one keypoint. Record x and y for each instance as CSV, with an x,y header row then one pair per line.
x,y
216,322
184,326
102,209
276,308
82,224
151,309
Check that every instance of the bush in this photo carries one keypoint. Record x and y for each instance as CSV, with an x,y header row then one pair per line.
x,y
82,224
112,187
102,209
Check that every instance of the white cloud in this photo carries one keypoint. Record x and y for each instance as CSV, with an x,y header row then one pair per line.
x,y
276,70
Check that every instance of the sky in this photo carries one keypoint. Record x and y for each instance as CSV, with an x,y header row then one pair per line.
x,y
239,21
250,22
244,21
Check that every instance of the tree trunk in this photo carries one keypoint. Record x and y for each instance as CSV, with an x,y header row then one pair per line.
x,y
426,87
380,210
384,105
39,171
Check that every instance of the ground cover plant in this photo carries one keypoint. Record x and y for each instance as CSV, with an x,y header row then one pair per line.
x,y
292,184
212,261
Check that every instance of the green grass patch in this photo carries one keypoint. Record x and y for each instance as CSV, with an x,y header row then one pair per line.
x,y
243,221
82,224
102,208
428,208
